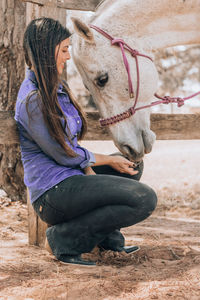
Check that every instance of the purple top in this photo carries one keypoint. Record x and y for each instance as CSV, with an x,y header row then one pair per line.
x,y
44,160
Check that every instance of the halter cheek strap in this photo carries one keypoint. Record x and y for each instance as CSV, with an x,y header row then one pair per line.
x,y
124,46
131,111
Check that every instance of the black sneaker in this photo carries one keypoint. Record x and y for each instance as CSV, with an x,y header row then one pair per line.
x,y
75,260
127,249
113,241
130,249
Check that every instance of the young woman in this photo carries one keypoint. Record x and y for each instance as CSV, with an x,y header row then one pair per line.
x,y
85,197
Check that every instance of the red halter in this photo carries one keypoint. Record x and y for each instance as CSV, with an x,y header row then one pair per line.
x,y
131,111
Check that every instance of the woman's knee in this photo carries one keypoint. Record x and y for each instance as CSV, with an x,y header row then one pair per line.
x,y
144,197
149,200
153,200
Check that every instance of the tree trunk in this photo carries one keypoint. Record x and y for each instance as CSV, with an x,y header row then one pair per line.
x,y
12,24
14,16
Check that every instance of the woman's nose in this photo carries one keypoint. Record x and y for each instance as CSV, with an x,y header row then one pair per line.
x,y
68,56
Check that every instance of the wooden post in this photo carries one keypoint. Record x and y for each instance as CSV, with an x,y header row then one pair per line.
x,y
32,223
34,11
36,227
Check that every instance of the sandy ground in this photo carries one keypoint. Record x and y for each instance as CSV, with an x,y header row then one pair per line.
x,y
166,267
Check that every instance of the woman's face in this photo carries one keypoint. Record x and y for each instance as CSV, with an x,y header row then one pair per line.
x,y
62,54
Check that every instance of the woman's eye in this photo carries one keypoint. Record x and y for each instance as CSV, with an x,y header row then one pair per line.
x,y
102,80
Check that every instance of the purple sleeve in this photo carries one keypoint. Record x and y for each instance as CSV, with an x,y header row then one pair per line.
x,y
37,131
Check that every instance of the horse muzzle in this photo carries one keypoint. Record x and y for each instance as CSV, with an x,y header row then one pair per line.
x,y
135,149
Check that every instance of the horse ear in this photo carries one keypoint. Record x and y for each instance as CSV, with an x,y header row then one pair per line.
x,y
83,30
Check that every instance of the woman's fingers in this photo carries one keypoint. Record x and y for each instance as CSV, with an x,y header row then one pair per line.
x,y
131,170
123,165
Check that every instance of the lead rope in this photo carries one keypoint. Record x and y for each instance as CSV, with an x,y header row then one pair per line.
x,y
131,111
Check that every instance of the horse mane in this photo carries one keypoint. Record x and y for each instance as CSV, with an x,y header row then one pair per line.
x,y
104,4
100,3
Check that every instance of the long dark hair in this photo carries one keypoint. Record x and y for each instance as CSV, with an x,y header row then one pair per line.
x,y
40,40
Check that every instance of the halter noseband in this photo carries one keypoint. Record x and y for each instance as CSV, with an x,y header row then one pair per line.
x,y
131,111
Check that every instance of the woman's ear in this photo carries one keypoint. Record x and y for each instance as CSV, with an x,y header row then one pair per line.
x,y
83,30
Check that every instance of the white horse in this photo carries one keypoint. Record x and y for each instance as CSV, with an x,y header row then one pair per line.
x,y
146,26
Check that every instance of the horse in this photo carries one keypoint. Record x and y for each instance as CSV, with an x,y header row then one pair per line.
x,y
120,81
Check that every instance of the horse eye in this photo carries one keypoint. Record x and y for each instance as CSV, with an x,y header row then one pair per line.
x,y
102,80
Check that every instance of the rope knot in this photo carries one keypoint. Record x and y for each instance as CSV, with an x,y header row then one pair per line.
x,y
132,110
180,102
117,41
134,52
166,99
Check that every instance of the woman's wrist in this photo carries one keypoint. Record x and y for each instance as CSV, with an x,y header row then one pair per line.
x,y
89,171
102,159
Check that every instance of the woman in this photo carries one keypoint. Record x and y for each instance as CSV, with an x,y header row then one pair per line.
x,y
83,209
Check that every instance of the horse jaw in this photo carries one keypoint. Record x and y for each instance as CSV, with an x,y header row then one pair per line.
x,y
132,136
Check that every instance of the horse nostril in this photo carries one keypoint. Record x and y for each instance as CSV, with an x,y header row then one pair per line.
x,y
148,140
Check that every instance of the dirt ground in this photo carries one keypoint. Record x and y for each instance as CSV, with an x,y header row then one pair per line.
x,y
166,267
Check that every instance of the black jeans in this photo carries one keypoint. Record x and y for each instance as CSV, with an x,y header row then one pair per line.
x,y
85,210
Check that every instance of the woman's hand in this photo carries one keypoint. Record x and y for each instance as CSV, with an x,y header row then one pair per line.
x,y
117,162
122,165
89,171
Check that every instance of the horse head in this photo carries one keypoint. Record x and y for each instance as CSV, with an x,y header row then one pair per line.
x,y
103,73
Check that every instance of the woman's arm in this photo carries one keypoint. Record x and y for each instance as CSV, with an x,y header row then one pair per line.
x,y
89,171
117,162
34,127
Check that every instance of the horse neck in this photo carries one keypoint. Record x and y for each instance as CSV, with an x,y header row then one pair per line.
x,y
152,24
